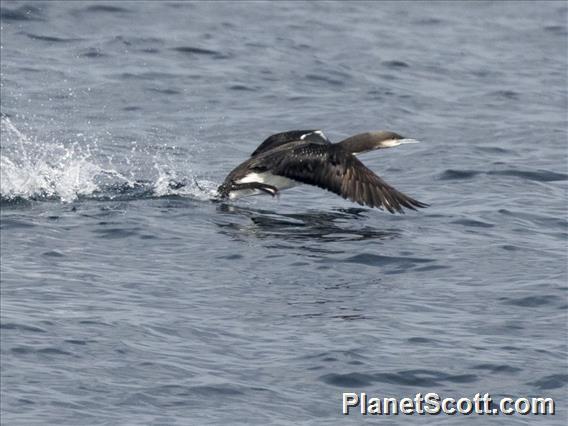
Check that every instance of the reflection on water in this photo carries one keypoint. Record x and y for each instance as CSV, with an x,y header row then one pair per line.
x,y
335,225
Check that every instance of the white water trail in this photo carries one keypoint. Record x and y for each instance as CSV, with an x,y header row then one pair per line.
x,y
32,169
36,169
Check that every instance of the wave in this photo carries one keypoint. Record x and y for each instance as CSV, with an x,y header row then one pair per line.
x,y
32,169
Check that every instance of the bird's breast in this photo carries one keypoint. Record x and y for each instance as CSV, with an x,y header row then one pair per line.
x,y
266,178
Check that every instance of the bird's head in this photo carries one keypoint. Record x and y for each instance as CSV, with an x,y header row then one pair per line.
x,y
364,142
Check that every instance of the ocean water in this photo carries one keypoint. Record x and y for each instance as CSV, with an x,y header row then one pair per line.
x,y
129,295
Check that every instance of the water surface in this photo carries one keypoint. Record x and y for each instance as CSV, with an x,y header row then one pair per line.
x,y
129,296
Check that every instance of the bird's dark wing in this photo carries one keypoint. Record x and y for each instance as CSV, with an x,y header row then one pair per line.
x,y
278,139
332,168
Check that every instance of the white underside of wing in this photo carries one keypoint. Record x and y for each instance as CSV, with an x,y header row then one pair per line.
x,y
267,178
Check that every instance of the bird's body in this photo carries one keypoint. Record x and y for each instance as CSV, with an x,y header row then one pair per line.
x,y
308,157
266,178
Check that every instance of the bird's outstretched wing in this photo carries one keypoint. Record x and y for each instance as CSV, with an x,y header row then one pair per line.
x,y
278,139
335,170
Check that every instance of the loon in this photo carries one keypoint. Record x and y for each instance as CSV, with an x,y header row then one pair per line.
x,y
295,157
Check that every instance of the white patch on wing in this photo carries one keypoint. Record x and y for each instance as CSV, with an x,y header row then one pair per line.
x,y
319,132
315,132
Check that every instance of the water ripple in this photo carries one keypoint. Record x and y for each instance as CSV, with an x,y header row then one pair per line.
x,y
395,64
199,51
21,327
52,39
105,8
452,174
530,301
472,223
539,175
553,381
405,378
22,13
371,259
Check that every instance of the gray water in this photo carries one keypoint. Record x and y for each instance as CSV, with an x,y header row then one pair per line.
x,y
130,296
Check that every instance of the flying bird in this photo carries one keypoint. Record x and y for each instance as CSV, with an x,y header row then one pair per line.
x,y
296,157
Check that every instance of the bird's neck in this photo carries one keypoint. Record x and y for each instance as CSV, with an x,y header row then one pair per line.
x,y
359,144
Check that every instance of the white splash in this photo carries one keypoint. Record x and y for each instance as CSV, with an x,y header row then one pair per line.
x,y
35,169
168,183
30,169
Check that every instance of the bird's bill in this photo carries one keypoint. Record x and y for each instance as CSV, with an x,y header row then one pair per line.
x,y
390,143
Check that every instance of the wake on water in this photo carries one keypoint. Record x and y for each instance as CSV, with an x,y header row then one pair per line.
x,y
35,169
